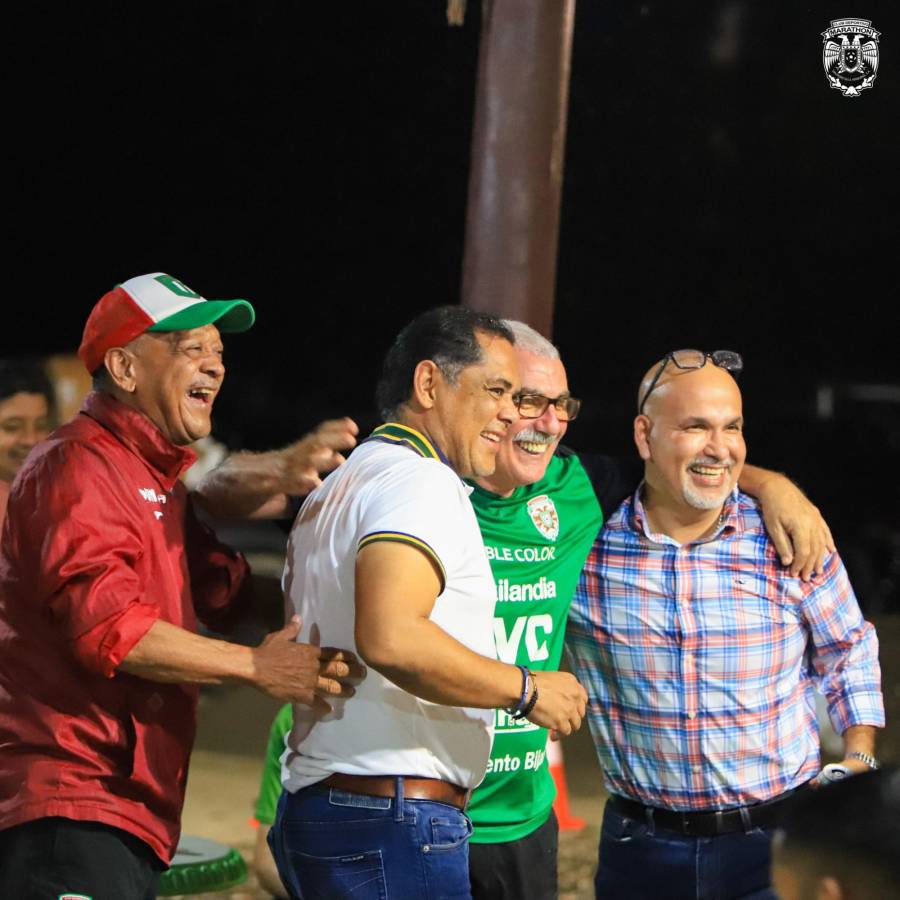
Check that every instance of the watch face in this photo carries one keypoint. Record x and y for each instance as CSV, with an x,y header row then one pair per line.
x,y
833,772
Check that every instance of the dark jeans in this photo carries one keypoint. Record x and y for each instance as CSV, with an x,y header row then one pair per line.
x,y
53,857
330,844
638,862
517,870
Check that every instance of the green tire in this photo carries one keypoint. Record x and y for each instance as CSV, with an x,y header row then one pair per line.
x,y
201,866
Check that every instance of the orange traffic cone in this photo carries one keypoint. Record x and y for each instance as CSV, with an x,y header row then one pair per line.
x,y
567,822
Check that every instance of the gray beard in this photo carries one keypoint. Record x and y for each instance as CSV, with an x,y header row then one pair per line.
x,y
704,501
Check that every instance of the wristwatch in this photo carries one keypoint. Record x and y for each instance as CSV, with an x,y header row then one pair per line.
x,y
866,758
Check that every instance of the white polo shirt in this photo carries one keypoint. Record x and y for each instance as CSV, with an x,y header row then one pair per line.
x,y
394,487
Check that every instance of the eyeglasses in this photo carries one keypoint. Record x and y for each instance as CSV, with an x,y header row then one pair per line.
x,y
533,406
694,359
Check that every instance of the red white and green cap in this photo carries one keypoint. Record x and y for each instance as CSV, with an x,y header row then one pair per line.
x,y
154,302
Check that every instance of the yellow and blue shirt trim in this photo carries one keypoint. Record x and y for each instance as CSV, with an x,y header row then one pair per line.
x,y
403,435
400,538
394,433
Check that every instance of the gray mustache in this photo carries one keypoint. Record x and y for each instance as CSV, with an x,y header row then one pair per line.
x,y
711,461
533,436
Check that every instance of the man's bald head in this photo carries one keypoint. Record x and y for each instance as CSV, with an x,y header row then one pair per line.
x,y
659,385
681,360
690,436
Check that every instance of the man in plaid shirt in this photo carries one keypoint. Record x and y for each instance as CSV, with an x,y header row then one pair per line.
x,y
701,654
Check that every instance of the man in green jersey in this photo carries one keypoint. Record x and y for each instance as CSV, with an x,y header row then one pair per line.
x,y
539,514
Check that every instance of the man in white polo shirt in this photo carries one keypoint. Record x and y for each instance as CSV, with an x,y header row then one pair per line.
x,y
387,557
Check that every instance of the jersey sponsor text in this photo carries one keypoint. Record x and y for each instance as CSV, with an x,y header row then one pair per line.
x,y
543,589
520,554
508,763
535,630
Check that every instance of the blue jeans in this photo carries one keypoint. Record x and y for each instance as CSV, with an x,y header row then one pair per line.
x,y
329,844
638,861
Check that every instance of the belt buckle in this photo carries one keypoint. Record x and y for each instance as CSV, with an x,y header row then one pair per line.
x,y
686,827
720,822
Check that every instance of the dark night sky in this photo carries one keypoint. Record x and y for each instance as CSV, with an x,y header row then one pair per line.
x,y
313,158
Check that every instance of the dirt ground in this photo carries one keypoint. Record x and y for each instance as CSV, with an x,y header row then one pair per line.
x,y
232,733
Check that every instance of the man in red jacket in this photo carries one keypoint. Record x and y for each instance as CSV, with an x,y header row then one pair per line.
x,y
104,570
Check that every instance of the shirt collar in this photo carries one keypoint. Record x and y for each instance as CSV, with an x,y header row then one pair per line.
x,y
136,432
729,519
395,433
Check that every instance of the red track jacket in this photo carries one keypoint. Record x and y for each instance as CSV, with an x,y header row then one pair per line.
x,y
100,541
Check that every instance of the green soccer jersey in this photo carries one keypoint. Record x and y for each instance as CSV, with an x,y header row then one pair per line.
x,y
537,541
270,783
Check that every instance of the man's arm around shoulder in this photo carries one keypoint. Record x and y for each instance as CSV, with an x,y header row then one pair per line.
x,y
795,526
260,485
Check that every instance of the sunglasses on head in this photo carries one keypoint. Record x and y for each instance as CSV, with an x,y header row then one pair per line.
x,y
694,359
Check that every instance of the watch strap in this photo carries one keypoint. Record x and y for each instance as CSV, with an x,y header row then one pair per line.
x,y
866,758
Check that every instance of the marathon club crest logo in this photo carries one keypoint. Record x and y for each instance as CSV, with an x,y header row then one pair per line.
x,y
850,55
543,514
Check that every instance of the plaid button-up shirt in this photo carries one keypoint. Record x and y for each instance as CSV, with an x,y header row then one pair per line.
x,y
700,661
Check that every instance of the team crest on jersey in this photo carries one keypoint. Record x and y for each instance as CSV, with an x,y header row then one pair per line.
x,y
851,62
542,513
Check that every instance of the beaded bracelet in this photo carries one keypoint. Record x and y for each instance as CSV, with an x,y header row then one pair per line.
x,y
524,713
515,710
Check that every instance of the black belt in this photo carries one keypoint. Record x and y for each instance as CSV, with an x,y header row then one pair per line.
x,y
706,824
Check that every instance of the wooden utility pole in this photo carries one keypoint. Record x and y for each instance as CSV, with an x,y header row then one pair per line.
x,y
518,144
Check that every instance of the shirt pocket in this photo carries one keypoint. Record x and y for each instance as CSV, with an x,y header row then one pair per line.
x,y
765,601
754,640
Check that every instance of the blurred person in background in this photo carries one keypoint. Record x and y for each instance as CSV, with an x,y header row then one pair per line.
x,y
267,804
26,412
842,841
